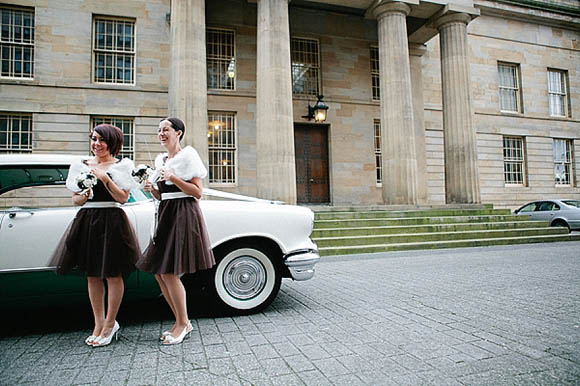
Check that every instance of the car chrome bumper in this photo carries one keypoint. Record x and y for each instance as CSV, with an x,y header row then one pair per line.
x,y
301,263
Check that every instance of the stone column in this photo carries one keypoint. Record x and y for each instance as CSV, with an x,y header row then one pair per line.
x,y
188,72
461,173
276,169
416,51
397,116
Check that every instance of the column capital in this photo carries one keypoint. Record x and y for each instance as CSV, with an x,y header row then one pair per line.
x,y
385,7
417,49
450,18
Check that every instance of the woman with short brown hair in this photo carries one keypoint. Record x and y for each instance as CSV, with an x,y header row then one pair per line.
x,y
100,242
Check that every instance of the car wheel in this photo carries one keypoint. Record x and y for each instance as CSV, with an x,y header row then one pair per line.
x,y
246,279
561,223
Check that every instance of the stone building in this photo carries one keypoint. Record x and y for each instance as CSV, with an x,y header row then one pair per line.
x,y
429,102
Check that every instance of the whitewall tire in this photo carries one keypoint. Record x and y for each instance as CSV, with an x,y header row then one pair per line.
x,y
246,280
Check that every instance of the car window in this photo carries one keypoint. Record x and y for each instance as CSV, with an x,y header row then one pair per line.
x,y
136,195
14,177
574,203
547,206
529,208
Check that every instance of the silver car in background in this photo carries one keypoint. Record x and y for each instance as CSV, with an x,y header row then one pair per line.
x,y
564,212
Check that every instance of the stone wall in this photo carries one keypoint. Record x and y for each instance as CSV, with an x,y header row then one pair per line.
x,y
62,97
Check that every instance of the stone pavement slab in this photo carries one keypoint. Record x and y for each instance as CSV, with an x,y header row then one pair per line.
x,y
480,316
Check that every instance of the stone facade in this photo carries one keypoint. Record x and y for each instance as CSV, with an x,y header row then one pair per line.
x,y
62,98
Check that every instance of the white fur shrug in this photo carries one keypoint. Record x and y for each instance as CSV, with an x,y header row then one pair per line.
x,y
186,165
119,172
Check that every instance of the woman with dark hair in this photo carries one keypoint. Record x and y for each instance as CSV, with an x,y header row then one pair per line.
x,y
181,244
100,241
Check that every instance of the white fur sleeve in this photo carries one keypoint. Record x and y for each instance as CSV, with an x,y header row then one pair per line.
x,y
187,164
121,174
158,166
75,169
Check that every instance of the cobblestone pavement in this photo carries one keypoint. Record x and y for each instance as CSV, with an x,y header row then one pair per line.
x,y
481,316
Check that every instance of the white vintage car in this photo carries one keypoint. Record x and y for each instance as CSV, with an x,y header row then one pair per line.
x,y
256,242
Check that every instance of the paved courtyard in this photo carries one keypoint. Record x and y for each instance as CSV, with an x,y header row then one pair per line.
x,y
482,316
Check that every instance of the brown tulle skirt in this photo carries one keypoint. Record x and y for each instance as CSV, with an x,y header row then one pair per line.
x,y
99,242
181,243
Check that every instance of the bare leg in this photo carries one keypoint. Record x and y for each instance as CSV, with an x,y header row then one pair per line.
x,y
177,293
116,290
97,298
166,295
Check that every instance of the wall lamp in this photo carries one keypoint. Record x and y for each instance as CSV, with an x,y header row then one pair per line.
x,y
318,111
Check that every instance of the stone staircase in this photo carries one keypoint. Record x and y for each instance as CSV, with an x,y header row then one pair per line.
x,y
339,231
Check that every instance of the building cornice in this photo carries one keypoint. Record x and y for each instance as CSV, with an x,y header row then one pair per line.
x,y
538,12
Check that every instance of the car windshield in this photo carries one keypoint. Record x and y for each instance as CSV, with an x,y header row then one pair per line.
x,y
574,203
528,208
136,195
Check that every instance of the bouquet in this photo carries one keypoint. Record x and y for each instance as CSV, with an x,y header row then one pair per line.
x,y
141,174
86,181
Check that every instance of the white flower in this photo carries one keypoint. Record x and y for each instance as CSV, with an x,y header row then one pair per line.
x,y
141,174
86,180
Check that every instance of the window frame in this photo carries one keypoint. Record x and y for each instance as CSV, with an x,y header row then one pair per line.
x,y
522,182
234,59
517,89
110,119
317,67
94,51
375,74
14,44
564,94
378,152
10,116
213,116
569,161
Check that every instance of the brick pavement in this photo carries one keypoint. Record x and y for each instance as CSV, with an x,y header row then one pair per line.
x,y
482,316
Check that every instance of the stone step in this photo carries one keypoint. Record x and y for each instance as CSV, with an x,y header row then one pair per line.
x,y
358,208
410,213
376,222
344,250
435,236
396,229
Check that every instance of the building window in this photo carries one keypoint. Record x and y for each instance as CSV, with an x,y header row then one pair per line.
x,y
378,153
305,66
376,85
221,138
563,161
513,161
17,42
113,51
15,133
557,90
221,59
127,125
509,88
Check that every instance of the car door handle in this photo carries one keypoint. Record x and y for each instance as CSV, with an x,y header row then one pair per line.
x,y
20,214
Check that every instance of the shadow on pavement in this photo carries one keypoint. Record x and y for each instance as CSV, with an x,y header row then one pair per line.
x,y
41,320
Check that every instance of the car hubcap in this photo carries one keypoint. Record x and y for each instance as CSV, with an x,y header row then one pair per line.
x,y
244,277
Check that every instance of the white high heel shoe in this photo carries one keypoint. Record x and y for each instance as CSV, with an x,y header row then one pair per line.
x,y
165,333
105,341
90,339
169,339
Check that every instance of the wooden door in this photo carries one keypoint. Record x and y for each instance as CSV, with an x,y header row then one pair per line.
x,y
311,149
